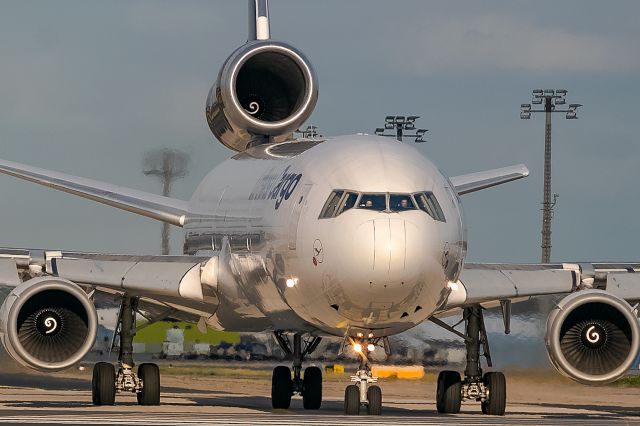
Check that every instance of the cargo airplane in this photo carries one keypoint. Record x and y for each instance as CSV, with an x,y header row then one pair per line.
x,y
295,237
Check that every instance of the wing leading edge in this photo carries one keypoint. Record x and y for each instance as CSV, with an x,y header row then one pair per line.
x,y
157,207
472,182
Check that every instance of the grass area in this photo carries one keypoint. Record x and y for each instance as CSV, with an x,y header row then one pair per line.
x,y
156,333
263,372
214,371
628,382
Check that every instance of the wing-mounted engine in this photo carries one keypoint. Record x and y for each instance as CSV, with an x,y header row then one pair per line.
x,y
48,324
264,91
592,337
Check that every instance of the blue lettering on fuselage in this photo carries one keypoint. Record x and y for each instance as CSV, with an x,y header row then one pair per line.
x,y
268,189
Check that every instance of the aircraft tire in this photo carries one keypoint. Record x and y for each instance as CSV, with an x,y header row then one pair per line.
x,y
448,392
312,394
281,387
374,396
352,400
150,392
496,404
103,384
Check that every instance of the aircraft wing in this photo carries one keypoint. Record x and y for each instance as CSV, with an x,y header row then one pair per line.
x,y
488,284
472,182
171,284
143,203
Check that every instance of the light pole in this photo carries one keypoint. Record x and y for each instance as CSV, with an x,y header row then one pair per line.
x,y
167,165
550,98
401,124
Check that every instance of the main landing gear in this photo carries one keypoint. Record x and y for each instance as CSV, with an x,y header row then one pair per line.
x,y
365,391
283,386
489,389
106,381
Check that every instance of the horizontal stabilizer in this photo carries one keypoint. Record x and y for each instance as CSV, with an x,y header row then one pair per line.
x,y
472,182
161,208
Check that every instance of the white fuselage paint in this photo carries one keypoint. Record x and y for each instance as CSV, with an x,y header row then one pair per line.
x,y
285,268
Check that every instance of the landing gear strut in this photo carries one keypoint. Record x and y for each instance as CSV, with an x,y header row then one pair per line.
x,y
283,386
489,389
107,381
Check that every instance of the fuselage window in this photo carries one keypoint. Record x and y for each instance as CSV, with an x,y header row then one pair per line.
x,y
331,206
401,202
377,202
428,202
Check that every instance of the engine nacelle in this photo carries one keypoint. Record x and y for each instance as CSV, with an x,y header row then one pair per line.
x,y
48,324
265,88
592,337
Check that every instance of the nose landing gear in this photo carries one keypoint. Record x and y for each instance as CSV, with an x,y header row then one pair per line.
x,y
489,389
365,391
283,386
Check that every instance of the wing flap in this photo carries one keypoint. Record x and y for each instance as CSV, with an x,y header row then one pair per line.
x,y
465,184
157,207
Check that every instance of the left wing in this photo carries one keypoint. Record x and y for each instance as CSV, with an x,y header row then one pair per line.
x,y
184,283
488,284
143,203
472,182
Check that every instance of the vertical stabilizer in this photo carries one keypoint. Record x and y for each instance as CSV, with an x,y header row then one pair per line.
x,y
258,20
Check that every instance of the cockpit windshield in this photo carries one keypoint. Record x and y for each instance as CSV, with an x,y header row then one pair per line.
x,y
377,202
401,202
340,201
428,202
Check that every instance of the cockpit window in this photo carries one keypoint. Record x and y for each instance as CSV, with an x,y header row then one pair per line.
x,y
401,202
377,202
348,202
331,206
428,202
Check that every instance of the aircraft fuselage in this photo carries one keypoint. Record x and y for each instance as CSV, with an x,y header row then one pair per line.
x,y
378,262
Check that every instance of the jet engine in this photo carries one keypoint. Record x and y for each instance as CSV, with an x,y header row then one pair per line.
x,y
592,337
48,324
264,91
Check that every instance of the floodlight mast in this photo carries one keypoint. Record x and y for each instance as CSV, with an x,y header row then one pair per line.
x,y
402,123
550,98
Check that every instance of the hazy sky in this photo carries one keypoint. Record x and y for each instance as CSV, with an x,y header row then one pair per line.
x,y
86,87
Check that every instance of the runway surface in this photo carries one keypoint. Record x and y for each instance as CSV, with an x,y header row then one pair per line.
x,y
236,400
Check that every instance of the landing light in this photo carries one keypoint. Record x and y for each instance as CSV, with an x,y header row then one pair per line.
x,y
291,282
371,347
357,347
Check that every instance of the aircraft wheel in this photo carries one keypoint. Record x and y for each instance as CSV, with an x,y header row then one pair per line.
x,y
281,387
352,400
374,396
150,376
448,392
103,384
496,404
312,394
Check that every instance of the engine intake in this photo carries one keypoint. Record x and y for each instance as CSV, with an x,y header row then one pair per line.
x,y
265,88
592,337
48,324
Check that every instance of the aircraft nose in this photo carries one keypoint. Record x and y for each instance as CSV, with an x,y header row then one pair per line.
x,y
382,260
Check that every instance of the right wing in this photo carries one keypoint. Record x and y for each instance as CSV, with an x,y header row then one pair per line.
x,y
157,207
472,182
489,283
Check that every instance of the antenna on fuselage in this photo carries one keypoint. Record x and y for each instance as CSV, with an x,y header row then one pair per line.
x,y
259,20
401,124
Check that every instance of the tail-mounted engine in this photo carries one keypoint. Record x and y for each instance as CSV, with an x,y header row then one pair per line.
x,y
592,337
264,92
48,324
